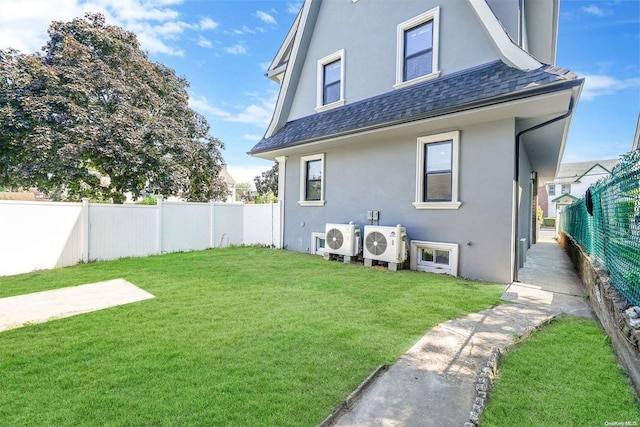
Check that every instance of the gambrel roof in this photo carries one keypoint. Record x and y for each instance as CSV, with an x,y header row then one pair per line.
x,y
476,87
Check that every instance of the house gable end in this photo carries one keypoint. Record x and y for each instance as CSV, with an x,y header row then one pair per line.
x,y
588,171
510,52
296,56
279,64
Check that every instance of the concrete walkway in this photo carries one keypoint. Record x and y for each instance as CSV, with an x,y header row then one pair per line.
x,y
433,384
39,307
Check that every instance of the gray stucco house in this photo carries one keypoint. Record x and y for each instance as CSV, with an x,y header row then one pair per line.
x,y
441,115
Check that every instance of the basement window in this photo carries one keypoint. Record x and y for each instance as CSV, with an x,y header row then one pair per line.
x,y
434,257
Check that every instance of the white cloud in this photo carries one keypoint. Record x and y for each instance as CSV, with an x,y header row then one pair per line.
x,y
258,114
264,66
254,138
150,42
266,18
168,29
599,85
155,22
202,42
241,31
595,11
236,49
208,24
294,8
202,105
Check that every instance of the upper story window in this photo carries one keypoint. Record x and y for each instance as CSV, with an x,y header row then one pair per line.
x,y
331,90
330,75
565,188
417,50
312,180
552,189
437,171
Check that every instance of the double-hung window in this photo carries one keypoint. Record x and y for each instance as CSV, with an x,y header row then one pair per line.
x,y
565,189
330,72
552,189
437,171
312,180
331,89
417,49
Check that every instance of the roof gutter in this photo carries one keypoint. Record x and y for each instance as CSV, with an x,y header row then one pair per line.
x,y
516,180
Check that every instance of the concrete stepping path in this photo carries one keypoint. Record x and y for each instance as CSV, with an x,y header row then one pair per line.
x,y
39,307
433,384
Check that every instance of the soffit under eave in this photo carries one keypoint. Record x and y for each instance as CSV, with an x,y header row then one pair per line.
x,y
545,146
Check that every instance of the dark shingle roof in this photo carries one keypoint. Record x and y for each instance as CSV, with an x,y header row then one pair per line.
x,y
454,92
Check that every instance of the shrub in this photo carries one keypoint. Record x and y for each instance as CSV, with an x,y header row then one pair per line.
x,y
549,222
148,200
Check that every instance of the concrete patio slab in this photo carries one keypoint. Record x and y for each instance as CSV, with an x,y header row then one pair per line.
x,y
39,307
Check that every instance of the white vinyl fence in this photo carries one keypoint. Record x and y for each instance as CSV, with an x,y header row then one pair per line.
x,y
42,235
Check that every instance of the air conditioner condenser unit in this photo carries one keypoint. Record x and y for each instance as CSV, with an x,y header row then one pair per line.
x,y
386,244
342,239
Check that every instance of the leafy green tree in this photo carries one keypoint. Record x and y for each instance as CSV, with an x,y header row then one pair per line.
x,y
267,182
92,117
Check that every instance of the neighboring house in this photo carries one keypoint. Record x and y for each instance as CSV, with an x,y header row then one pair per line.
x,y
231,183
543,200
32,194
440,115
572,182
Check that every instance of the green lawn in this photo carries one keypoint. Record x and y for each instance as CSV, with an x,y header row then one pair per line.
x,y
237,336
564,375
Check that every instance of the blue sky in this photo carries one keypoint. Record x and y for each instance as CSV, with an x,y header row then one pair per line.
x,y
224,46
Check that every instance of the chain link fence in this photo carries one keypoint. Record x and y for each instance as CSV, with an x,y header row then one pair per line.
x,y
606,223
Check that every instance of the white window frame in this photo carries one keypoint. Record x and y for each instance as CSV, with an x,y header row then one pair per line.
x,y
431,267
315,247
339,55
562,188
431,15
303,180
551,189
455,203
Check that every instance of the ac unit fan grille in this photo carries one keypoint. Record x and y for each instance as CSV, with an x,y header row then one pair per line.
x,y
376,243
334,238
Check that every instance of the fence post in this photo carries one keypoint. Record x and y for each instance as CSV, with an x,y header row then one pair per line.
x,y
211,223
282,167
159,227
85,229
272,242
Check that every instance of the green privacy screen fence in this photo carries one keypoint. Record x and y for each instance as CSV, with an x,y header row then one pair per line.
x,y
612,234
